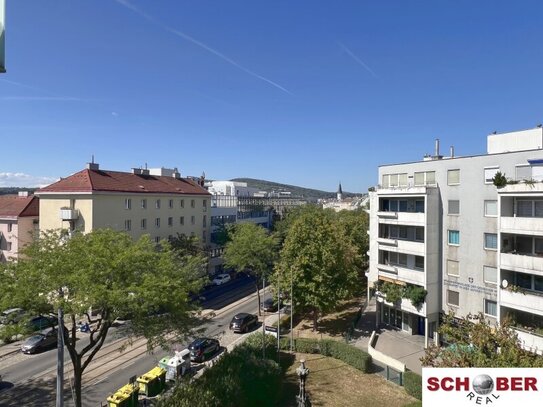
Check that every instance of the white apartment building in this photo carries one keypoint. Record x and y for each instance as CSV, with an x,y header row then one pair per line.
x,y
230,188
443,225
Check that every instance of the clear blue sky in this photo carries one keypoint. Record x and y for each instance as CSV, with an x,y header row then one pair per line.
x,y
301,92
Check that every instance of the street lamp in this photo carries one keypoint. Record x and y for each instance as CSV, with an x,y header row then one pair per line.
x,y
302,398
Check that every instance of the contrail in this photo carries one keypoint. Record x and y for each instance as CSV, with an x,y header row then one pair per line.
x,y
187,37
358,60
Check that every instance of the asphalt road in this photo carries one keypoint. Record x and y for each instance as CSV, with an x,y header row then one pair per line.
x,y
21,387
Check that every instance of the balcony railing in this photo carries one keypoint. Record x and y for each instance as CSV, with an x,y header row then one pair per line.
x,y
521,262
401,273
524,300
521,225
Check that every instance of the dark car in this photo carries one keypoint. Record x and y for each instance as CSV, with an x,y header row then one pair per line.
x,y
242,322
42,322
269,305
42,340
203,348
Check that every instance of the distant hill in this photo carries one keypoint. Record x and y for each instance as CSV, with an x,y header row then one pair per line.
x,y
270,186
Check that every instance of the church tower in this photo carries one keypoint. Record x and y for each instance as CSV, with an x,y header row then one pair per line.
x,y
339,193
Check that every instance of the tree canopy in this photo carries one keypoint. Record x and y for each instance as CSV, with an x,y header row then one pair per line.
x,y
479,345
113,275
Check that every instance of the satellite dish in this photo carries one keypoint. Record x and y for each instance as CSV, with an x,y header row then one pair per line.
x,y
505,283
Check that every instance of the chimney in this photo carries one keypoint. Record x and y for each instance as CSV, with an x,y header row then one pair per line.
x,y
437,148
452,151
176,174
92,165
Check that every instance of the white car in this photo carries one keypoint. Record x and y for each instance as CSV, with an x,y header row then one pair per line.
x,y
221,279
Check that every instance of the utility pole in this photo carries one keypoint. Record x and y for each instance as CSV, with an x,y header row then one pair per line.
x,y
60,353
264,318
291,313
278,312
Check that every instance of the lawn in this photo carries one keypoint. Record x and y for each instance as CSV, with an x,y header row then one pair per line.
x,y
332,383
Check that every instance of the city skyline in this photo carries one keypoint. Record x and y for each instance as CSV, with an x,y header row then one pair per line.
x,y
301,94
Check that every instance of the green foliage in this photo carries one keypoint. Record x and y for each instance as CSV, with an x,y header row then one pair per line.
x,y
416,294
321,260
185,245
412,383
395,292
239,378
499,180
355,225
10,333
351,355
479,345
281,227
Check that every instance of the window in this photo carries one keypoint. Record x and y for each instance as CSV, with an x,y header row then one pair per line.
x,y
403,206
453,297
452,268
182,203
144,223
454,237
157,222
10,227
144,204
425,178
204,205
127,203
127,224
157,239
491,208
182,220
394,180
204,236
402,259
8,246
523,172
490,274
524,280
489,174
524,208
491,308
419,206
454,207
192,219
419,234
170,203
453,177
157,204
419,262
170,221
403,232
491,241
192,203
204,222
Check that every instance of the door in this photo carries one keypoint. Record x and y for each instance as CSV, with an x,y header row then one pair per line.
x,y
405,321
421,326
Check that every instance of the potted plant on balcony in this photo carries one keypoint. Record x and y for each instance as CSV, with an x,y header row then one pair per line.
x,y
392,292
499,180
416,294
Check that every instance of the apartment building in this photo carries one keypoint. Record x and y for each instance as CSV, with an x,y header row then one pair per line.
x,y
441,224
159,203
18,222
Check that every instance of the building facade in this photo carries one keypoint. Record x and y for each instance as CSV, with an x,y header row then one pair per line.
x,y
442,224
136,202
19,216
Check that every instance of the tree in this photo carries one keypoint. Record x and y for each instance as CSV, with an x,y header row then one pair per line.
x,y
112,274
251,249
355,225
479,345
322,262
281,227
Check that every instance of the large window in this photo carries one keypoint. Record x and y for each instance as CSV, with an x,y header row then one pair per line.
x,y
489,174
452,268
454,237
453,298
491,308
394,180
453,177
491,208
529,208
419,262
490,274
454,207
491,241
425,178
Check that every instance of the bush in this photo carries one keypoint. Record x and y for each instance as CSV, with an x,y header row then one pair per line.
x,y
9,333
412,383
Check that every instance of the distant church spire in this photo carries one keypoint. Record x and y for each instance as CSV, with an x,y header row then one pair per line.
x,y
339,192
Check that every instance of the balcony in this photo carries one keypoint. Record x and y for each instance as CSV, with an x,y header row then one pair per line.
x,y
519,262
524,226
402,218
529,341
387,242
405,305
67,214
411,247
401,274
525,300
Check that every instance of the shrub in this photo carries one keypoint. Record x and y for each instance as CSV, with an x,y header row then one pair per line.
x,y
10,333
416,295
499,180
412,383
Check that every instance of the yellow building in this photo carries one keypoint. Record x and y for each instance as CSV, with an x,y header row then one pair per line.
x,y
136,202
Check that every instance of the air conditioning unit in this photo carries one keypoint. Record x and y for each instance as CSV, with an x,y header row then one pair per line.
x,y
68,214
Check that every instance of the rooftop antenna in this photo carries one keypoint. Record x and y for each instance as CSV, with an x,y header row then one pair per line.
x,y
92,159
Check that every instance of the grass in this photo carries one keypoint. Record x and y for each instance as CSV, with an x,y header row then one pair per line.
x,y
332,325
332,383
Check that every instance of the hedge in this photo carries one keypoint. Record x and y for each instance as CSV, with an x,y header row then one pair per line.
x,y
412,383
355,357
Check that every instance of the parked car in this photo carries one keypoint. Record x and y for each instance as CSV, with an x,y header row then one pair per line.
x,y
11,316
203,348
42,322
221,279
269,305
242,322
42,340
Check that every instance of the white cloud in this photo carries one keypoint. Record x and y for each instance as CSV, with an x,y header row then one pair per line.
x,y
20,179
114,114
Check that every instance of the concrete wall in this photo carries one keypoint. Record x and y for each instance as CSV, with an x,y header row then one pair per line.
x,y
50,211
515,141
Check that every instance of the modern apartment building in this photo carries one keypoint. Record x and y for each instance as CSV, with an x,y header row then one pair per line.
x,y
18,223
137,202
443,225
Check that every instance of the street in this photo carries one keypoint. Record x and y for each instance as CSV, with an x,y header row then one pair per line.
x,y
32,377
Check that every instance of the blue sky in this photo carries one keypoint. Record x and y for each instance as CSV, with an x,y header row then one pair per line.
x,y
300,92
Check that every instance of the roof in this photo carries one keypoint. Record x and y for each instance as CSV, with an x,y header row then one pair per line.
x,y
116,181
18,206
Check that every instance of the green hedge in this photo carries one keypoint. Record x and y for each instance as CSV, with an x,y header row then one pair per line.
x,y
412,383
355,357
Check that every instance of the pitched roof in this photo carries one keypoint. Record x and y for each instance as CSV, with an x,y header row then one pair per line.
x,y
19,206
116,181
